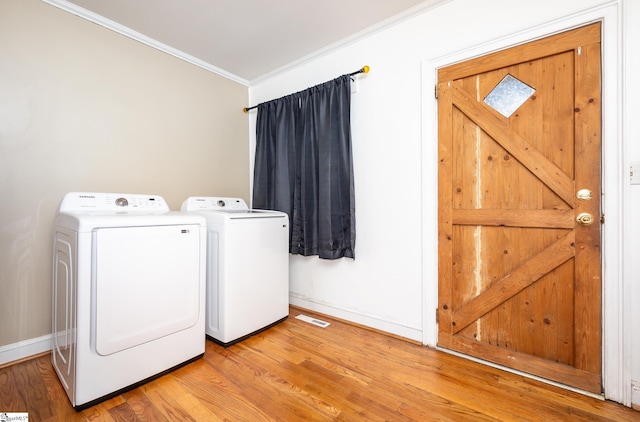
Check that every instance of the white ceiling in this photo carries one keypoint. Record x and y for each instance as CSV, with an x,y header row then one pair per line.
x,y
245,39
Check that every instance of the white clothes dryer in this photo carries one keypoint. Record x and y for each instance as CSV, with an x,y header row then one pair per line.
x,y
247,267
129,279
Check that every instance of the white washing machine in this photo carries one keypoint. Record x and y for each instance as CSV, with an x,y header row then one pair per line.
x,y
247,267
129,280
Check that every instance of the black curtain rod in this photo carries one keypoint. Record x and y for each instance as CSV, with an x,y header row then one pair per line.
x,y
365,69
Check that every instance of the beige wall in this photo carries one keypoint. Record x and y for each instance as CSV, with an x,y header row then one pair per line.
x,y
83,108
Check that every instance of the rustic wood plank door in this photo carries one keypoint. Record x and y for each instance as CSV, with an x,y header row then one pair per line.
x,y
519,275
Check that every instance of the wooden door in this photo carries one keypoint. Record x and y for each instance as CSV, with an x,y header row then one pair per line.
x,y
519,276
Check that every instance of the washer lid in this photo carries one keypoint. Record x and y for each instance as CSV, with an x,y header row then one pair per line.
x,y
251,213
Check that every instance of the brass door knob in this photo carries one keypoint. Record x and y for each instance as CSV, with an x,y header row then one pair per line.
x,y
584,195
584,218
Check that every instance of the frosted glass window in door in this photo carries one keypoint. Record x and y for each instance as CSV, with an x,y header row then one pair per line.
x,y
509,95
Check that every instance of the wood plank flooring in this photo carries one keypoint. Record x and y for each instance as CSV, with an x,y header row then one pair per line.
x,y
297,371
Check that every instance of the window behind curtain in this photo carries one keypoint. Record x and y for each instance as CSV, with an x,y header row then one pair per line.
x,y
304,167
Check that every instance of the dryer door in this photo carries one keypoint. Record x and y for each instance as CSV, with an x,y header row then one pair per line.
x,y
146,284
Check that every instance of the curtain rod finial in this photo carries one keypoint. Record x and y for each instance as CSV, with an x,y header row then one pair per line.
x,y
365,69
245,110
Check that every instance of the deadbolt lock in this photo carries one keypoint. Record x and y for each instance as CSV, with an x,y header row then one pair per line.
x,y
584,218
584,194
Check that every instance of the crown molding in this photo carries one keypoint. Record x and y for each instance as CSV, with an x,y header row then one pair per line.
x,y
128,32
380,26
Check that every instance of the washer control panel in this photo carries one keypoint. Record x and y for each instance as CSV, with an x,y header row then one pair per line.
x,y
195,203
112,202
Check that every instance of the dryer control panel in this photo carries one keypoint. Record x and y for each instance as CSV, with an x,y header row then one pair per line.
x,y
112,202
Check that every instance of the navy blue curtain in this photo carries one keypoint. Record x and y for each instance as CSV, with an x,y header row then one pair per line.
x,y
304,167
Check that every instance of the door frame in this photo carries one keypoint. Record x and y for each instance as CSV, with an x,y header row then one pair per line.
x,y
615,341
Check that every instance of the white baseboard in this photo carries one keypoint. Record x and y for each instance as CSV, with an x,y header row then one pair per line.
x,y
24,349
635,394
34,346
355,317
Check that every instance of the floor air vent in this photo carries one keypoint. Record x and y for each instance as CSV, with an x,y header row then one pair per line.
x,y
313,321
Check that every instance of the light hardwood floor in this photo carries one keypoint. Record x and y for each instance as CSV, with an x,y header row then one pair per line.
x,y
296,371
